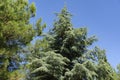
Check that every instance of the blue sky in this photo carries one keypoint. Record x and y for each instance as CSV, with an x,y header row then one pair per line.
x,y
101,17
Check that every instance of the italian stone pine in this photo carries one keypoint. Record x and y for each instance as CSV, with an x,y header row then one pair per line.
x,y
15,31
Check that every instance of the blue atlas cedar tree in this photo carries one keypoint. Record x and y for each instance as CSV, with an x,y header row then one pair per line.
x,y
66,56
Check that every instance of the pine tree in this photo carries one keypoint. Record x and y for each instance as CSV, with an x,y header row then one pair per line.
x,y
15,31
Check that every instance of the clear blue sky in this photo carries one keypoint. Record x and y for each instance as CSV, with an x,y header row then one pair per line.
x,y
101,17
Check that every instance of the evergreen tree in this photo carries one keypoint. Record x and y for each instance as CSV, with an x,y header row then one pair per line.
x,y
63,40
103,68
63,54
73,44
49,66
67,41
15,32
44,64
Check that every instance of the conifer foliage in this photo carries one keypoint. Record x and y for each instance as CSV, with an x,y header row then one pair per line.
x,y
15,31
61,54
66,56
